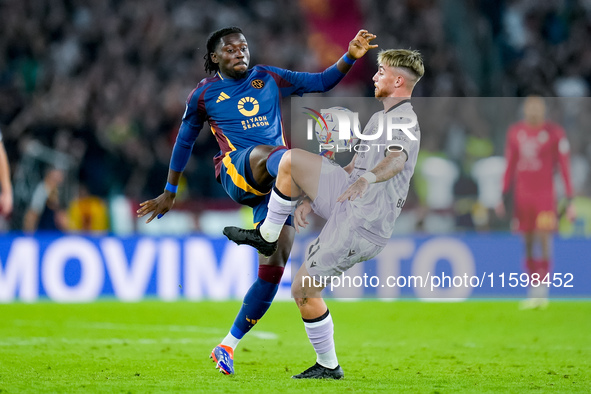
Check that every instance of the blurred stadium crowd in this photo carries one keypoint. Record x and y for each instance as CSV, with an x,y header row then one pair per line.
x,y
96,89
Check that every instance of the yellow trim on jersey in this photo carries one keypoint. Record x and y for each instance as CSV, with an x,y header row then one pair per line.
x,y
282,135
231,170
213,131
220,75
238,179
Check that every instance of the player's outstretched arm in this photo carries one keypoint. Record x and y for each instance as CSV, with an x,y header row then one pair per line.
x,y
386,169
164,202
358,47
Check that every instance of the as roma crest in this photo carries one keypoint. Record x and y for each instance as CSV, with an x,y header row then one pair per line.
x,y
257,84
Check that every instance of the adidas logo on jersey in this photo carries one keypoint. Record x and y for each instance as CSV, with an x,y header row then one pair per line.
x,y
223,96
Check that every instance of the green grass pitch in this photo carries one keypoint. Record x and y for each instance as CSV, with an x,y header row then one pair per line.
x,y
402,346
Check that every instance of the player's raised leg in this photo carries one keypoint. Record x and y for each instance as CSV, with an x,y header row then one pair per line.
x,y
319,327
298,171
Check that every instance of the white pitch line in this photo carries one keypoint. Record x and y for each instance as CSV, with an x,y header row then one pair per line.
x,y
213,331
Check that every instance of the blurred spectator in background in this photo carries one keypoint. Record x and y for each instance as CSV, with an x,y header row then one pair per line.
x,y
87,213
535,147
114,75
45,212
440,175
5,184
488,175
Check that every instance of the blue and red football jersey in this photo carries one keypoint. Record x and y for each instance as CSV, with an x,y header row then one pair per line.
x,y
245,112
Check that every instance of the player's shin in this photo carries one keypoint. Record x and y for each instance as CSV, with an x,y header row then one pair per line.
x,y
256,302
279,208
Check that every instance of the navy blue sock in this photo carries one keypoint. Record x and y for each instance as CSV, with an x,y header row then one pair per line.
x,y
256,302
273,160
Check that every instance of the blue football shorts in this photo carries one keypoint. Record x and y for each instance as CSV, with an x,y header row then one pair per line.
x,y
238,181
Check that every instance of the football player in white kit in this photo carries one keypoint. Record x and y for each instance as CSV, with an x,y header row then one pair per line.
x,y
360,201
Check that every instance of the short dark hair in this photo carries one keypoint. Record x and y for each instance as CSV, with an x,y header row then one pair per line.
x,y
212,42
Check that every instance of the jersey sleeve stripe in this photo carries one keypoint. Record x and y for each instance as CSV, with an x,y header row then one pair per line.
x,y
280,81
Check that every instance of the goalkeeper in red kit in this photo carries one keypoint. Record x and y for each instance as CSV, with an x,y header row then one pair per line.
x,y
534,148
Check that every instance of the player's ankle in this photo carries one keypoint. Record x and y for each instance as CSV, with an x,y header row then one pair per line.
x,y
328,360
270,231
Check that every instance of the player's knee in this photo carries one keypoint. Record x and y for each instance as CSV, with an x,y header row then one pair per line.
x,y
305,287
289,158
298,294
285,163
296,288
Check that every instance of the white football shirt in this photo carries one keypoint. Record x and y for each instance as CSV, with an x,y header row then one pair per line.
x,y
376,211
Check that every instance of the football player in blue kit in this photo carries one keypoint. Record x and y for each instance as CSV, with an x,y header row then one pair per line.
x,y
242,107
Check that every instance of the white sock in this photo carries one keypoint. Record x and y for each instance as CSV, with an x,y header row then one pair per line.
x,y
231,341
279,209
328,359
320,332
270,231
